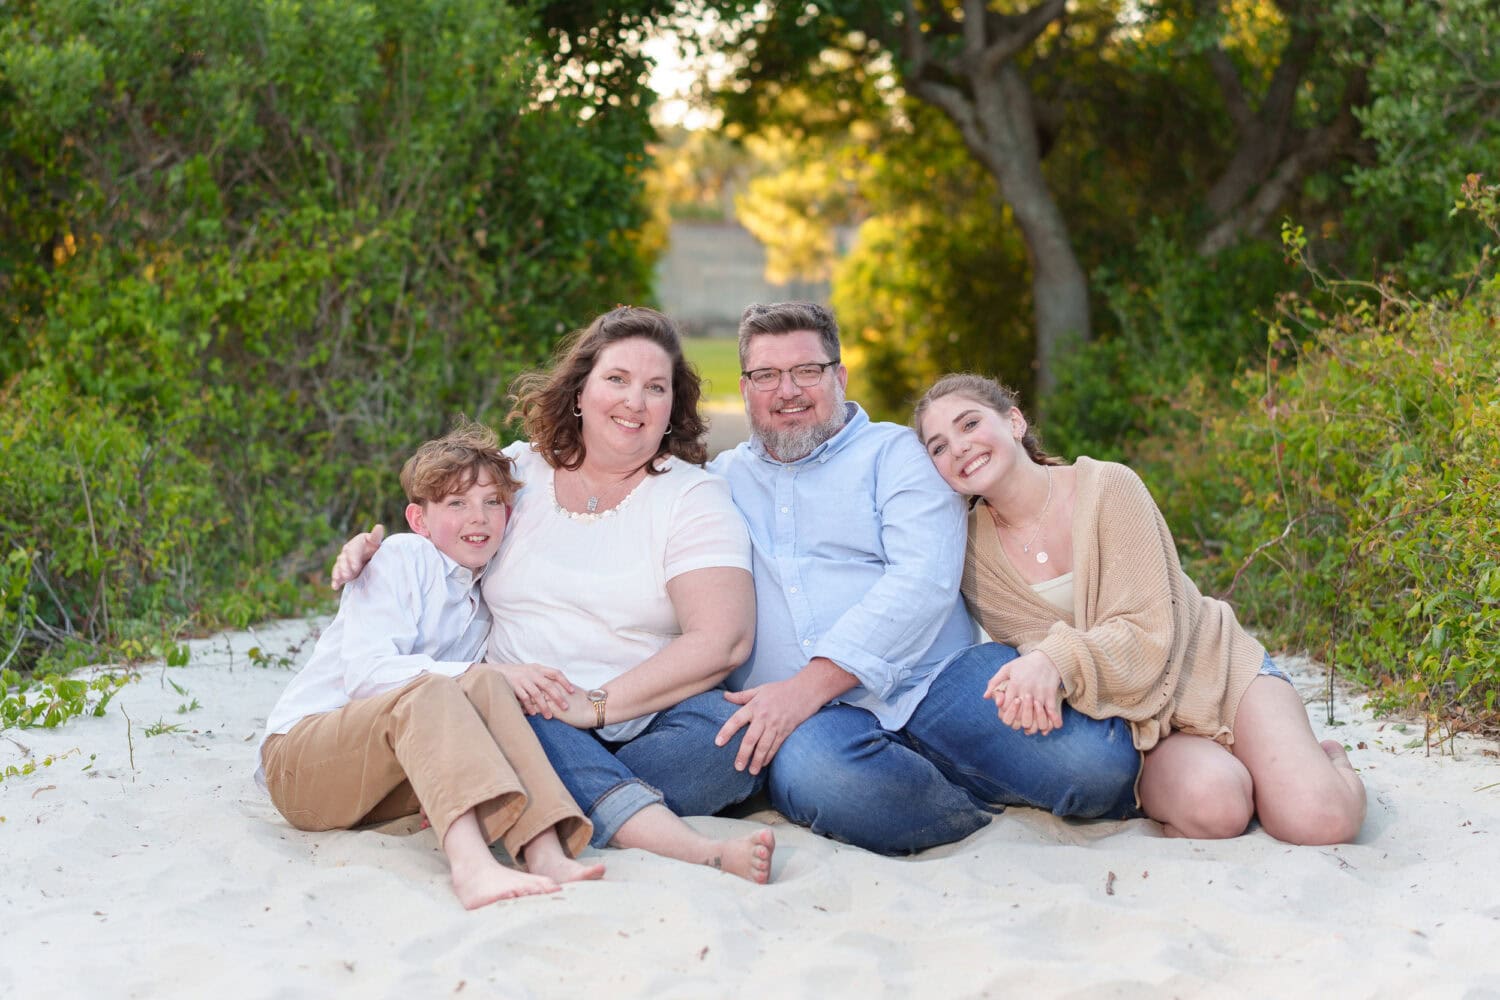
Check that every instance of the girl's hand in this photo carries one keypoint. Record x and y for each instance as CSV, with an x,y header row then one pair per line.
x,y
539,689
1027,693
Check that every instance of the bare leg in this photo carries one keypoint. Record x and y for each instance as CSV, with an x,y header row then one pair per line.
x,y
1196,788
478,879
1305,792
659,830
544,856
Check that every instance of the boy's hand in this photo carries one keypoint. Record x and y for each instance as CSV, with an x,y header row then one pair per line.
x,y
539,689
356,552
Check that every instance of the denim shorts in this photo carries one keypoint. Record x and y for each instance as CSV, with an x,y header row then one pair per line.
x,y
1270,669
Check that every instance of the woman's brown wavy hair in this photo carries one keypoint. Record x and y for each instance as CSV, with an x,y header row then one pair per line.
x,y
545,400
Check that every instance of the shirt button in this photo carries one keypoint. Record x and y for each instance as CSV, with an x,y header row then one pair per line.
x,y
786,510
794,590
807,642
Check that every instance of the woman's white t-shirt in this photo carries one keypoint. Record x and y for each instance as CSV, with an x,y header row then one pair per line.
x,y
587,593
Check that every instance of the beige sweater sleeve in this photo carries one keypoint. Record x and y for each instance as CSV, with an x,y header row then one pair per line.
x,y
1117,657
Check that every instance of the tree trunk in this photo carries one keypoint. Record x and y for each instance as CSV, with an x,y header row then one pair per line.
x,y
985,94
1059,287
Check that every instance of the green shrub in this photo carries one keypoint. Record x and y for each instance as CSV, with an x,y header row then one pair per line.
x,y
252,254
1347,496
1178,320
102,525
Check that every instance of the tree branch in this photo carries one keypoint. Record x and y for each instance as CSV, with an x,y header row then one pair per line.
x,y
1231,87
1014,33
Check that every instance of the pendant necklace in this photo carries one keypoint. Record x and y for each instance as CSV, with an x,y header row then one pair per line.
x,y
1041,554
591,505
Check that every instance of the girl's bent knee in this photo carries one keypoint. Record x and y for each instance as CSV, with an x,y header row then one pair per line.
x,y
1212,810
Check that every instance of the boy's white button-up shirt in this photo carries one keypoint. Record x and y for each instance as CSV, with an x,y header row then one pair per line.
x,y
412,611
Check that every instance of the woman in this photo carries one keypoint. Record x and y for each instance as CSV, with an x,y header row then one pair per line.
x,y
625,574
1074,566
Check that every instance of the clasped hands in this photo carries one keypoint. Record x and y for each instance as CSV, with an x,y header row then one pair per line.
x,y
541,690
1028,694
544,691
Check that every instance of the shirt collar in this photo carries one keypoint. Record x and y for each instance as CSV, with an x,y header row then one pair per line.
x,y
854,418
460,573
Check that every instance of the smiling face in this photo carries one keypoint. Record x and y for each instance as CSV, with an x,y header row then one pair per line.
x,y
973,446
626,401
466,527
792,420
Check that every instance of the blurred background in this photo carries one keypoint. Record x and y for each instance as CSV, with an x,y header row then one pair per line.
x,y
252,253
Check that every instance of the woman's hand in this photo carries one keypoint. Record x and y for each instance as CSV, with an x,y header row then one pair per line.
x,y
1027,693
356,552
540,690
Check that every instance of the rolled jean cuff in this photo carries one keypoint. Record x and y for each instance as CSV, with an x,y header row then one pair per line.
x,y
617,805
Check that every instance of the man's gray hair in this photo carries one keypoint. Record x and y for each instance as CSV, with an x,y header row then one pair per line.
x,y
789,317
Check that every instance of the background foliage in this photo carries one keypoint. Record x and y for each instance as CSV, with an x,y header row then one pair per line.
x,y
1174,138
1347,494
252,252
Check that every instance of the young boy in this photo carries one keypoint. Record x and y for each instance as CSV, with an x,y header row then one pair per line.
x,y
392,715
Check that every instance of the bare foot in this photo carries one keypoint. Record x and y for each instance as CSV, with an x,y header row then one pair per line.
x,y
1336,753
494,882
564,869
1344,768
748,857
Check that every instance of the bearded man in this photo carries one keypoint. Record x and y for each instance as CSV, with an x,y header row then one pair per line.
x,y
857,695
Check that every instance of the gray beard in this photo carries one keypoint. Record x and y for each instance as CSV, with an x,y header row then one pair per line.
x,y
796,443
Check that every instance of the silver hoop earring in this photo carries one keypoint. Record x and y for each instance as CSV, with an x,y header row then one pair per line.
x,y
667,432
578,412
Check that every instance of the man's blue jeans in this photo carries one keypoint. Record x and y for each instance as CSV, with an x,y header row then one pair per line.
x,y
938,780
673,762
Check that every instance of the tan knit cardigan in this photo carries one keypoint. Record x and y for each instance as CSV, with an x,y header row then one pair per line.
x,y
1142,644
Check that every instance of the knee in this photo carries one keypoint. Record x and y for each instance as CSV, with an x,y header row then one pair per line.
x,y
1103,786
1214,807
814,782
485,686
807,762
705,710
429,688
857,790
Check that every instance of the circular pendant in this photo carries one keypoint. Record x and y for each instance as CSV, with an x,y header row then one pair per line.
x,y
1041,557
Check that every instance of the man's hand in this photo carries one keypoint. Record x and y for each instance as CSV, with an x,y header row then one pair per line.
x,y
356,552
540,690
1027,693
768,715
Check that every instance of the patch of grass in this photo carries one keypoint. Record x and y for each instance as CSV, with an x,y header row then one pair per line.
x,y
718,361
161,727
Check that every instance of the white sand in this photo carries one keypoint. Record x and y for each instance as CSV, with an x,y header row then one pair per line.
x,y
173,876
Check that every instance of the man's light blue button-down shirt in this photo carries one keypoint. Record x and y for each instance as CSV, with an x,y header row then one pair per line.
x,y
858,550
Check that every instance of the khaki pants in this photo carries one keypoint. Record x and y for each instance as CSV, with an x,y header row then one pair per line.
x,y
444,744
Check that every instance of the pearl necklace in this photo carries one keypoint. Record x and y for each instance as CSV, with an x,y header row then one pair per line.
x,y
1041,554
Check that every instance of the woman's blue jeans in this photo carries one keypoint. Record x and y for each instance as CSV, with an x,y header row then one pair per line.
x,y
939,779
673,762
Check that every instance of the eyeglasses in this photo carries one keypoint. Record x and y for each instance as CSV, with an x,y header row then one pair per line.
x,y
803,376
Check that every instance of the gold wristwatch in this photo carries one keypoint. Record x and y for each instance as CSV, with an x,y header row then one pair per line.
x,y
597,698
